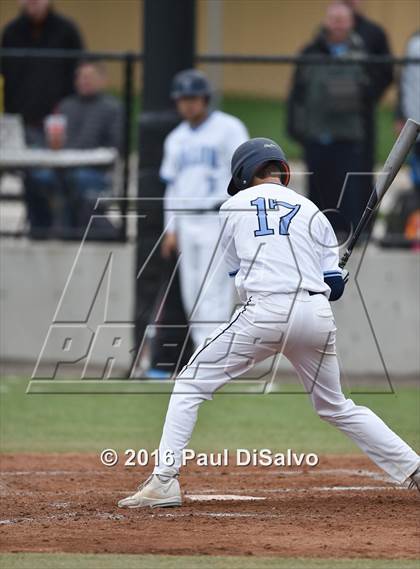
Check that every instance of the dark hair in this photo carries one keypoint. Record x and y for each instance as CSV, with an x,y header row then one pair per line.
x,y
270,169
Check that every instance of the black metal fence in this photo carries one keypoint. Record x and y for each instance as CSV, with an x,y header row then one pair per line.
x,y
129,61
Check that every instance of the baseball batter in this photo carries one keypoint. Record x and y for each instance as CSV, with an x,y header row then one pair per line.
x,y
282,252
196,170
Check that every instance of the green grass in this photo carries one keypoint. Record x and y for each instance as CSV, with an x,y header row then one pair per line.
x,y
263,117
89,423
267,117
68,561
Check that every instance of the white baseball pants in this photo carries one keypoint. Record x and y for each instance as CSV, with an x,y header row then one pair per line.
x,y
207,293
304,331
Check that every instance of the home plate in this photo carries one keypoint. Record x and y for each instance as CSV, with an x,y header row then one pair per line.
x,y
220,497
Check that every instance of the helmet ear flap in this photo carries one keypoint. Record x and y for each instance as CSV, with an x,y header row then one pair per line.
x,y
237,177
285,177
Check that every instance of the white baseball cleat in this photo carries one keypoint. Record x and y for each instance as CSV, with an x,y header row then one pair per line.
x,y
155,492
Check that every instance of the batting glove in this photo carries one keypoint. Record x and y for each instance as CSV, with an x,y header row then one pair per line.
x,y
345,275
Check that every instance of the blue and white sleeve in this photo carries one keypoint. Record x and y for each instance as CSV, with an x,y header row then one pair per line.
x,y
236,136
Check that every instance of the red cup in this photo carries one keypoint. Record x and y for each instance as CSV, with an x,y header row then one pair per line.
x,y
55,131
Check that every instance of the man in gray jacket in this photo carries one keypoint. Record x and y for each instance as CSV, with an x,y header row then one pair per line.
x,y
326,114
92,119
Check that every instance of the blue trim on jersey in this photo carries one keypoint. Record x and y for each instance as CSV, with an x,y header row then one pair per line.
x,y
331,273
233,273
204,155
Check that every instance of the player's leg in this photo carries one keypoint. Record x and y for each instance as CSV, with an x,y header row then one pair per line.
x,y
229,353
232,350
214,302
188,277
314,357
41,191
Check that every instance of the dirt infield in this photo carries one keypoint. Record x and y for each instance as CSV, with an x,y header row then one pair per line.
x,y
342,508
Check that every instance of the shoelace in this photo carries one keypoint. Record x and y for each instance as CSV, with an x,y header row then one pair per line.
x,y
145,483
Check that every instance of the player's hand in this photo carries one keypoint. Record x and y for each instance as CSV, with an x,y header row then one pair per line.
x,y
169,245
345,275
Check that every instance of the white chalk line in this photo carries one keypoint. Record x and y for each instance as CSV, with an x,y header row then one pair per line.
x,y
203,498
314,489
221,515
52,472
328,489
207,497
5,489
315,472
40,519
237,491
222,497
208,472
54,492
121,517
61,517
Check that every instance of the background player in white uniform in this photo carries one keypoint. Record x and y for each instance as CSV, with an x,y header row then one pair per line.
x,y
283,253
196,169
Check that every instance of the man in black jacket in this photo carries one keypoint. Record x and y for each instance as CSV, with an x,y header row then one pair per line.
x,y
327,106
376,43
34,86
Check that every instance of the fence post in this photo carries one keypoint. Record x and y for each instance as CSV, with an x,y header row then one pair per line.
x,y
168,48
127,137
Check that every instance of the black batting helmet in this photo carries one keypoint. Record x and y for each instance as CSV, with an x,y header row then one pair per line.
x,y
248,159
190,83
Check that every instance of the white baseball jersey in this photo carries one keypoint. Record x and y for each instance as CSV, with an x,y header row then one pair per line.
x,y
196,162
277,241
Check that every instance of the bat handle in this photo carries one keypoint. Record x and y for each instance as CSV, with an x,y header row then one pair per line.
x,y
344,258
366,217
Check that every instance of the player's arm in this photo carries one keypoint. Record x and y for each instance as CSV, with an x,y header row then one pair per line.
x,y
167,175
235,136
169,241
227,243
335,277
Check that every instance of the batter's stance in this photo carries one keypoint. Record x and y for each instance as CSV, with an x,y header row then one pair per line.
x,y
283,254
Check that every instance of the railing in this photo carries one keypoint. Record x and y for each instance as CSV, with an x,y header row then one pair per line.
x,y
128,59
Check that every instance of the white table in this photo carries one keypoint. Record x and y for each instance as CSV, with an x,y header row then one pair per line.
x,y
45,158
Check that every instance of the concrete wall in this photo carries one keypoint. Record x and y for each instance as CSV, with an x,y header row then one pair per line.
x,y
76,288
248,26
99,292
